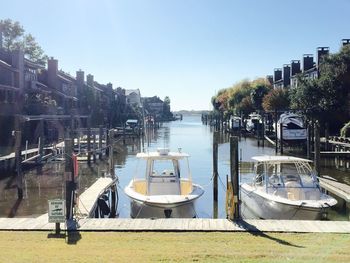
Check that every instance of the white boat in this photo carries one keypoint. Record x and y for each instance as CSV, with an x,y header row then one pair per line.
x,y
293,128
235,122
285,187
165,191
253,121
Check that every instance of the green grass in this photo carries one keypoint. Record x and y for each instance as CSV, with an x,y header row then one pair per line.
x,y
173,247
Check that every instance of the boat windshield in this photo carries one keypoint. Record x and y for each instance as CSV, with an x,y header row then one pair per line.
x,y
298,174
165,168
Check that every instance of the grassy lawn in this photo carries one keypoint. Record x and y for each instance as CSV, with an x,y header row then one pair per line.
x,y
173,247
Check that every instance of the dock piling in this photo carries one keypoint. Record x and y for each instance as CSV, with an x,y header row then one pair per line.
x,y
317,148
215,174
234,164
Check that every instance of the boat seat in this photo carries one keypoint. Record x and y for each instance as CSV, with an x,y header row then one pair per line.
x,y
163,185
294,191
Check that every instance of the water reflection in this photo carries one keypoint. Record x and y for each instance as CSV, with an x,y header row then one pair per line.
x,y
189,134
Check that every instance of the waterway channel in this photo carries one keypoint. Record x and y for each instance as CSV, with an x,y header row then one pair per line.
x,y
47,182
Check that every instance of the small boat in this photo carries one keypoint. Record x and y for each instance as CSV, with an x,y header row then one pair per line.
x,y
293,128
164,192
285,187
253,121
235,122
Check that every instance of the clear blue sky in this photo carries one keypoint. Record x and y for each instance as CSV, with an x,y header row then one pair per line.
x,y
184,49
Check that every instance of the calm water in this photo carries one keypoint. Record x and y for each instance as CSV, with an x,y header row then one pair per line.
x,y
189,135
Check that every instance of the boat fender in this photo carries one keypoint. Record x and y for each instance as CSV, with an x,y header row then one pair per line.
x,y
105,210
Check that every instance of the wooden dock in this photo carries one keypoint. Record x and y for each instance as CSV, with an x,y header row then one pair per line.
x,y
180,225
88,199
343,154
339,189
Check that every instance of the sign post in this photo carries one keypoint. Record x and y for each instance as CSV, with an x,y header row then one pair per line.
x,y
57,213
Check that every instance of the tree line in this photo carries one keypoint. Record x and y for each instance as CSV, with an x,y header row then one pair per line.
x,y
325,99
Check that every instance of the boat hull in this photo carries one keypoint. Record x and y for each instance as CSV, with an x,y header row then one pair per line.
x,y
260,207
140,209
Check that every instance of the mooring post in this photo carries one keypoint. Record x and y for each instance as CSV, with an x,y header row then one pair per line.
x,y
18,160
317,148
234,165
263,131
94,147
326,134
308,141
276,137
100,134
124,134
41,141
215,174
112,172
69,175
281,138
88,140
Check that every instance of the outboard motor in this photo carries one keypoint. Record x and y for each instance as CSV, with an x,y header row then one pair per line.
x,y
167,213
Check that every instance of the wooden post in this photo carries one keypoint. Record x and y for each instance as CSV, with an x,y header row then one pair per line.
x,y
263,131
26,150
111,154
89,140
18,160
112,172
100,134
69,175
41,141
308,142
234,163
94,148
215,174
281,138
326,134
317,149
276,137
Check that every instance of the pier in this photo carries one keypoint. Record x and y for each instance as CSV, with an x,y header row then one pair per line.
x,y
339,189
87,201
179,225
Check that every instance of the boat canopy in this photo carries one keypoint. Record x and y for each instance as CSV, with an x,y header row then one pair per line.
x,y
279,159
162,154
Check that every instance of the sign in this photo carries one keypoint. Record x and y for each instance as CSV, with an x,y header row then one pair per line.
x,y
57,211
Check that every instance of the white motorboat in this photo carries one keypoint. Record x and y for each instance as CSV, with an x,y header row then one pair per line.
x,y
293,128
253,121
285,187
166,190
235,122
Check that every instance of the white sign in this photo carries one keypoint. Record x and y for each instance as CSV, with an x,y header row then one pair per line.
x,y
57,211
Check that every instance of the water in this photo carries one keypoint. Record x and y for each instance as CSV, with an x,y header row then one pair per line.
x,y
189,135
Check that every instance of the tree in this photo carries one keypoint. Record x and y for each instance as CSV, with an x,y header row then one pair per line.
x,y
245,106
276,99
326,98
33,51
12,33
14,38
258,94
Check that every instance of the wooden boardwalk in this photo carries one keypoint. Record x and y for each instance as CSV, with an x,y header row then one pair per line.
x,y
339,189
180,225
88,199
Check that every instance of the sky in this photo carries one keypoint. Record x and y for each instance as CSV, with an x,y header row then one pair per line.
x,y
185,49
